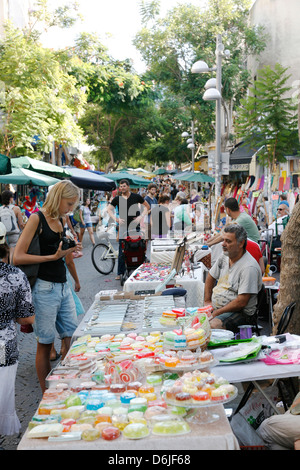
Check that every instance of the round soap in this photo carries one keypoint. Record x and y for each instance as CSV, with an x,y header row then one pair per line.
x,y
90,434
171,427
135,431
110,433
138,401
154,379
126,397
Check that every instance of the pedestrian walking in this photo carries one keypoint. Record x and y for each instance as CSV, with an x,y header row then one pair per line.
x,y
86,221
11,217
52,297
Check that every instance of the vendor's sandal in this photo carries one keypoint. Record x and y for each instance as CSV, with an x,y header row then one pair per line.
x,y
55,358
117,278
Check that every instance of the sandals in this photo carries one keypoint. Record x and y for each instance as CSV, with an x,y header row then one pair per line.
x,y
117,278
55,358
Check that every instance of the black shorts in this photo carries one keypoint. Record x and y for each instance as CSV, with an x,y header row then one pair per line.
x,y
236,319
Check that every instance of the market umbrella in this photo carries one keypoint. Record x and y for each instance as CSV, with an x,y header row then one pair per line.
x,y
5,165
199,178
182,175
160,171
40,167
134,180
91,180
23,176
194,177
140,172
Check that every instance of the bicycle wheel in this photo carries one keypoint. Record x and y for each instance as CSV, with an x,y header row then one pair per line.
x,y
100,259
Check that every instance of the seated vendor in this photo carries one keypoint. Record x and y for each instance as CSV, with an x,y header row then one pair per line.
x,y
233,282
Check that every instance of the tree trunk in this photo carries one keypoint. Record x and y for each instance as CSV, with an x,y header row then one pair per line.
x,y
290,273
111,164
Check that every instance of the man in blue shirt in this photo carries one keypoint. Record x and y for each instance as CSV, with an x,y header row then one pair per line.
x,y
151,199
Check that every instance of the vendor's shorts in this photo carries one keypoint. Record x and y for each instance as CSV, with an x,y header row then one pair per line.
x,y
55,310
232,320
12,239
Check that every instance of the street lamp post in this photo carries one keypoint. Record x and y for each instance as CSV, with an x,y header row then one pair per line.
x,y
191,144
213,93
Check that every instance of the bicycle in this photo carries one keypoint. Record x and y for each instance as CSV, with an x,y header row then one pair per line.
x,y
103,254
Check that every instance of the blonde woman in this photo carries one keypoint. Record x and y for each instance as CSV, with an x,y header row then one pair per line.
x,y
52,297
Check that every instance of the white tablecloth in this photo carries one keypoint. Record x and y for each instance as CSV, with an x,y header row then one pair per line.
x,y
212,436
256,370
163,251
193,286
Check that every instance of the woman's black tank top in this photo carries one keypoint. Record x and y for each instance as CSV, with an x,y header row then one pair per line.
x,y
52,271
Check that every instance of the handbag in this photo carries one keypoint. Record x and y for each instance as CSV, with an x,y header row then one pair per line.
x,y
31,270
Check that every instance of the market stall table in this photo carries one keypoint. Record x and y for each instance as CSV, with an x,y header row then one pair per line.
x,y
163,251
213,436
253,372
193,285
112,313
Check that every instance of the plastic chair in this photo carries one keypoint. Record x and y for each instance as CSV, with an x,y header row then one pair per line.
x,y
286,318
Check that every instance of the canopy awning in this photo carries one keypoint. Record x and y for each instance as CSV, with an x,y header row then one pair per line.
x,y
5,165
194,177
24,176
242,153
40,167
134,180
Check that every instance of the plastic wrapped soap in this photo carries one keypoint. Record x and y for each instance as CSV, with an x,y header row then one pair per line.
x,y
45,430
136,431
110,433
171,427
90,434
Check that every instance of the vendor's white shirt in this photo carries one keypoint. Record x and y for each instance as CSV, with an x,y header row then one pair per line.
x,y
280,226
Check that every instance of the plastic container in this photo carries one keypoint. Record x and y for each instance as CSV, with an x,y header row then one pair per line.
x,y
269,281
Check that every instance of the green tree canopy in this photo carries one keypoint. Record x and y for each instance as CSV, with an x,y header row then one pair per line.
x,y
40,101
170,45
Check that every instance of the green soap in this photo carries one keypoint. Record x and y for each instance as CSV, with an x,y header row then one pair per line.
x,y
141,408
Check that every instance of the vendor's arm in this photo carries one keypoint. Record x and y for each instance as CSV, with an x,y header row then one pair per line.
x,y
218,238
20,252
209,285
235,305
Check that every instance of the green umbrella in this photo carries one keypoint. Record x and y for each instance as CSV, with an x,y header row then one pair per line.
x,y
200,178
40,167
23,176
5,165
134,180
160,171
194,177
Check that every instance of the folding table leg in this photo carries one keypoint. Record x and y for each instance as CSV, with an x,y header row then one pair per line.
x,y
245,397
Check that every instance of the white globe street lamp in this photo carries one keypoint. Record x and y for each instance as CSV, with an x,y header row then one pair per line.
x,y
213,93
191,144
